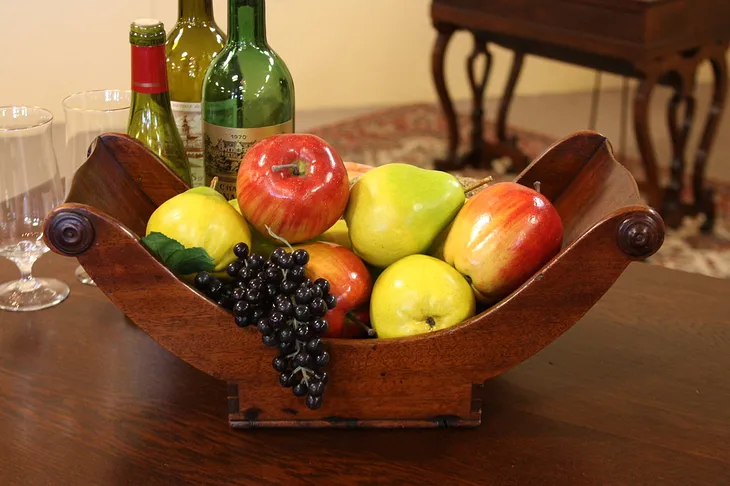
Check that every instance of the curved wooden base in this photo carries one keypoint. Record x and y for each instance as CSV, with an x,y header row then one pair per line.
x,y
408,382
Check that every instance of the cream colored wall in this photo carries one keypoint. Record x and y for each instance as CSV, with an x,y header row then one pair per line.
x,y
377,52
341,53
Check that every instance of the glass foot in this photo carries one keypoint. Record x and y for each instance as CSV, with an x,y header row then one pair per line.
x,y
37,294
84,277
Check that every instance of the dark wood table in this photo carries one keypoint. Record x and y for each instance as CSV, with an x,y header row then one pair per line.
x,y
637,392
660,42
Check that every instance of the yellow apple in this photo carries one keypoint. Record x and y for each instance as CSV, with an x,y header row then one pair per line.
x,y
419,294
201,217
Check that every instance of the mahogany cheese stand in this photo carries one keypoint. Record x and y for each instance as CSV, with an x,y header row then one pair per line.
x,y
421,381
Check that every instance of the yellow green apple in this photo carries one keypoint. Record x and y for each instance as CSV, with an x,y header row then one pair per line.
x,y
419,294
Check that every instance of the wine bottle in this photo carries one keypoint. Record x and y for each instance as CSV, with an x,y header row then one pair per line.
x,y
150,114
248,94
191,45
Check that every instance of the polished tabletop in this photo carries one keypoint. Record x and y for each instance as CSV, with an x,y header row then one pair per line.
x,y
637,392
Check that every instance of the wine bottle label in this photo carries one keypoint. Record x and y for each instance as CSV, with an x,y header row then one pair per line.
x,y
189,121
225,148
149,70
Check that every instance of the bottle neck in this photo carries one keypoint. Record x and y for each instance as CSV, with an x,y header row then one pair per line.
x,y
247,22
195,10
149,69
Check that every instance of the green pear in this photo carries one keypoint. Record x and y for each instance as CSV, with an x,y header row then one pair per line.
x,y
398,209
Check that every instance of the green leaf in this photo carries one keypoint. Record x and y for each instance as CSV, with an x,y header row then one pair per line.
x,y
180,260
190,260
161,246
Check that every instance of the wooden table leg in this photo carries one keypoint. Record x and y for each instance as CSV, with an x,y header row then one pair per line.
x,y
438,54
481,152
519,159
704,197
679,71
478,85
671,208
642,99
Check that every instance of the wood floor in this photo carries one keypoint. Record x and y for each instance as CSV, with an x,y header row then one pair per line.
x,y
561,114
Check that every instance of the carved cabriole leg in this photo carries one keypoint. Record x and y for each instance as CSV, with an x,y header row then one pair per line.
x,y
477,88
703,197
680,70
684,93
445,32
518,163
643,137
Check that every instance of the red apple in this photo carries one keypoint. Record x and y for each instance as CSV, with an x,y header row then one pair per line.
x,y
294,184
350,282
501,237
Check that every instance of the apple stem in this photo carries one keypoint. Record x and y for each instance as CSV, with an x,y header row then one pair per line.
x,y
280,167
537,186
274,235
214,182
479,184
371,332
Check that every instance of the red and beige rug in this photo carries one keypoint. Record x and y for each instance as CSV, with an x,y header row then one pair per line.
x,y
416,134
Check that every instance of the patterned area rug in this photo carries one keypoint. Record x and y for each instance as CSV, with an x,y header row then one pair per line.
x,y
416,134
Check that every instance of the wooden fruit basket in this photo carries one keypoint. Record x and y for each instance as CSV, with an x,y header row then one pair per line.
x,y
421,381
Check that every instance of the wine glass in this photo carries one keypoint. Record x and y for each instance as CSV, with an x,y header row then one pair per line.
x,y
30,186
88,115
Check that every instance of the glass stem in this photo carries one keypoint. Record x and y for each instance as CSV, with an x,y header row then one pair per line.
x,y
27,282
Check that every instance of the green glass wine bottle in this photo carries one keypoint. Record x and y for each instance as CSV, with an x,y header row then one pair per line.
x,y
248,94
150,114
191,45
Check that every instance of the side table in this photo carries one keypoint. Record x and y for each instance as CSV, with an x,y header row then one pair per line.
x,y
659,42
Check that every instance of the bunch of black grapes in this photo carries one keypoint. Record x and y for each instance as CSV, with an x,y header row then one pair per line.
x,y
286,307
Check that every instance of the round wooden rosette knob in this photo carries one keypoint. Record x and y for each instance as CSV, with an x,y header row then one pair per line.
x,y
70,233
641,234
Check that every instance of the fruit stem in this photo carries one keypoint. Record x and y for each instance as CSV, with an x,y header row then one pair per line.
x,y
537,186
305,373
274,235
280,167
370,331
479,184
214,182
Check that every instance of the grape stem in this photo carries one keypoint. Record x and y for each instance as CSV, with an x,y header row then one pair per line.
x,y
296,342
274,235
305,373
